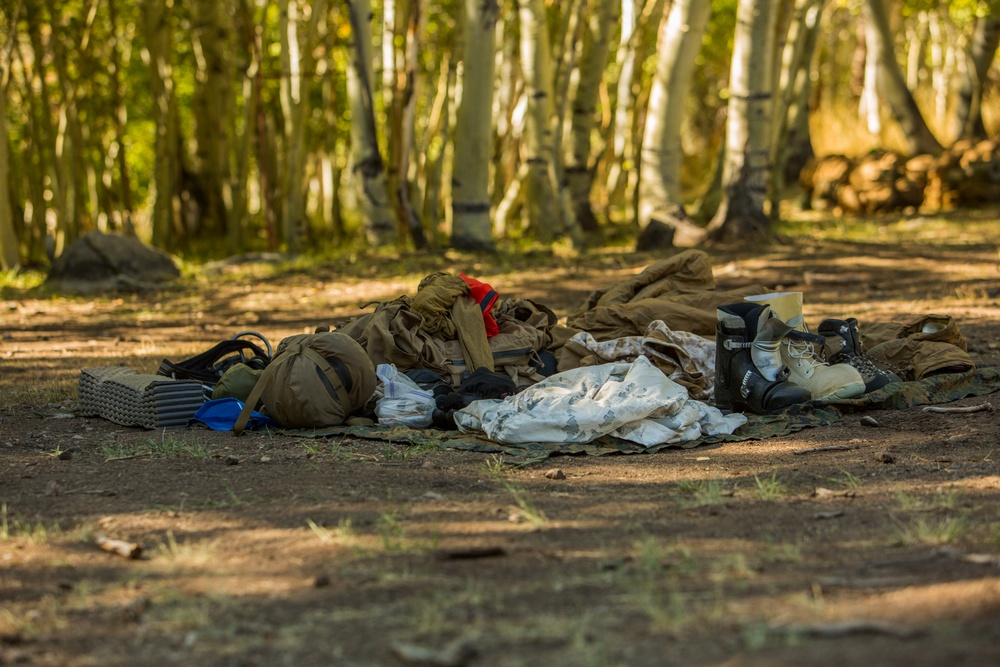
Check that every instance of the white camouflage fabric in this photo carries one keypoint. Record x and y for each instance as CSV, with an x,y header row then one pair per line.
x,y
634,401
684,357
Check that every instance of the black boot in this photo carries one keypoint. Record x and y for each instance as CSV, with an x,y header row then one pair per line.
x,y
843,346
739,383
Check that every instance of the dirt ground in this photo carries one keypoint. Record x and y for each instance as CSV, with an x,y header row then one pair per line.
x,y
275,550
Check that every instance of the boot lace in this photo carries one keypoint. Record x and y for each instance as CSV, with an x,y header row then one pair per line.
x,y
803,350
862,363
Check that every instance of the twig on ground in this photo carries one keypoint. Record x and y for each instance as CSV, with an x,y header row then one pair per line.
x,y
975,559
130,456
119,547
867,582
828,448
960,409
844,628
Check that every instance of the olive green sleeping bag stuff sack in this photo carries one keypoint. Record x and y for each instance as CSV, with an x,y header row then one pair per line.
x,y
313,381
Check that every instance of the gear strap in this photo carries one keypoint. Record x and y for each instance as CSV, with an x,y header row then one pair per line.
x,y
331,372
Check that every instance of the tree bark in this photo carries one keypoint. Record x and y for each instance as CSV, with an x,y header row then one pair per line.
x,y
368,169
10,251
166,175
211,31
663,220
433,146
918,136
407,127
44,135
593,61
967,122
539,152
470,196
124,190
747,166
791,143
299,64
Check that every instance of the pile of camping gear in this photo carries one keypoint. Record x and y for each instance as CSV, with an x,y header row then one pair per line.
x,y
662,357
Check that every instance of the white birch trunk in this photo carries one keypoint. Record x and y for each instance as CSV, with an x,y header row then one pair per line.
x,y
870,103
967,120
791,145
593,61
470,196
662,217
539,152
746,171
891,82
368,170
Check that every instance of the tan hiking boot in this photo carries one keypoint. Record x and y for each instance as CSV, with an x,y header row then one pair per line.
x,y
800,354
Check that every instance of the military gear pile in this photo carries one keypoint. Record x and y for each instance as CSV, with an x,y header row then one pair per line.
x,y
458,355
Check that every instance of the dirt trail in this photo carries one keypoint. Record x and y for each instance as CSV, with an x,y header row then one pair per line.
x,y
273,550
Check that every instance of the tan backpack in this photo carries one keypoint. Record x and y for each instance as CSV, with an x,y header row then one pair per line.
x,y
315,380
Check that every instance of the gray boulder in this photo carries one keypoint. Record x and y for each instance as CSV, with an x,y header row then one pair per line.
x,y
99,261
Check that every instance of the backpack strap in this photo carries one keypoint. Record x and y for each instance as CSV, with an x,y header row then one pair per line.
x,y
251,402
332,372
202,367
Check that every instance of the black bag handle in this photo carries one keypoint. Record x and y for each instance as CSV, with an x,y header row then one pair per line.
x,y
205,367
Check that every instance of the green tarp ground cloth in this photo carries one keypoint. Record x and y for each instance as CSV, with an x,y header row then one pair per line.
x,y
894,396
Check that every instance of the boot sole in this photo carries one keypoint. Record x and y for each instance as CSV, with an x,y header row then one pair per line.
x,y
852,390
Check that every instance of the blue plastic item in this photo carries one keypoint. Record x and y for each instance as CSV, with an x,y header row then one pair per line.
x,y
220,414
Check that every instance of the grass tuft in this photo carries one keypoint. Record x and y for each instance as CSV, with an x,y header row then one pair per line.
x,y
770,488
526,508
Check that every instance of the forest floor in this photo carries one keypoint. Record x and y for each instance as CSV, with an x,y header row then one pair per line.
x,y
275,550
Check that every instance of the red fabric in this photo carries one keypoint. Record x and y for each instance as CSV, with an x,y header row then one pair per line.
x,y
485,296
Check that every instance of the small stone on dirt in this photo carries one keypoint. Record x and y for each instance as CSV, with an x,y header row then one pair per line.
x,y
555,473
868,420
232,460
886,457
65,455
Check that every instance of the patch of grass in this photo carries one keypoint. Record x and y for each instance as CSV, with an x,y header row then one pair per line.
x,y
390,528
933,531
665,605
700,493
231,501
167,446
940,500
845,480
770,488
203,617
782,552
495,466
650,558
342,534
526,508
35,532
901,231
396,453
21,279
185,553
